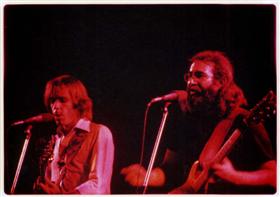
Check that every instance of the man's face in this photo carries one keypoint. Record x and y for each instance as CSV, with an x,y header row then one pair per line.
x,y
65,115
202,86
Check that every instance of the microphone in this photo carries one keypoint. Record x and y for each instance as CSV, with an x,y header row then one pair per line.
x,y
176,95
45,117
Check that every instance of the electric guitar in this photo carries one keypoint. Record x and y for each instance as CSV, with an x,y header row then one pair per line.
x,y
198,177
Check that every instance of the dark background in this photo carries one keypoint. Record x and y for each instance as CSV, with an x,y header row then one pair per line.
x,y
125,55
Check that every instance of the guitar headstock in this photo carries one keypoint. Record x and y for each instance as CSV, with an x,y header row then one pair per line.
x,y
266,108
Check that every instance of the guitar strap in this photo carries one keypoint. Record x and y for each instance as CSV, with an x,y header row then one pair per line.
x,y
217,138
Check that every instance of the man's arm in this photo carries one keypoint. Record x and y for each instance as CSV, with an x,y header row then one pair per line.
x,y
264,176
102,166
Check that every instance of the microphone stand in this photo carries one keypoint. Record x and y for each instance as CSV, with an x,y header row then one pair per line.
x,y
152,160
24,148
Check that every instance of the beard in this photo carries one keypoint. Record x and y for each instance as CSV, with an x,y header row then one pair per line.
x,y
203,103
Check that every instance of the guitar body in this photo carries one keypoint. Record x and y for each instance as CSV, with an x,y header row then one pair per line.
x,y
197,178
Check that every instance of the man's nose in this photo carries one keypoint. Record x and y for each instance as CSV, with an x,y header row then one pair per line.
x,y
56,106
191,81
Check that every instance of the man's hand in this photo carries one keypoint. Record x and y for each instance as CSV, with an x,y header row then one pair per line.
x,y
134,174
50,187
224,170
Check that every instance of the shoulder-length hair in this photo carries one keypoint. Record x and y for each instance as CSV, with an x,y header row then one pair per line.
x,y
77,91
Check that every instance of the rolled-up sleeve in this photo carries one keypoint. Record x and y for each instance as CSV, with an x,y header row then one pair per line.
x,y
100,175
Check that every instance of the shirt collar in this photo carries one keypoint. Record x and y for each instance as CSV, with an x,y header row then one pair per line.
x,y
83,124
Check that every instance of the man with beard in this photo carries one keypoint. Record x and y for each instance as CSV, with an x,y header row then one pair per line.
x,y
213,104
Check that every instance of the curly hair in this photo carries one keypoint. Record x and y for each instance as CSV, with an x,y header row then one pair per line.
x,y
231,95
77,92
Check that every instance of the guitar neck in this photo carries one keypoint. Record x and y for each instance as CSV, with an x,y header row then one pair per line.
x,y
227,147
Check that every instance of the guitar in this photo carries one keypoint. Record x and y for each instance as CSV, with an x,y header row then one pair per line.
x,y
198,177
45,158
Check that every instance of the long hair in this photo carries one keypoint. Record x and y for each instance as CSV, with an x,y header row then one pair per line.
x,y
77,92
230,95
233,98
